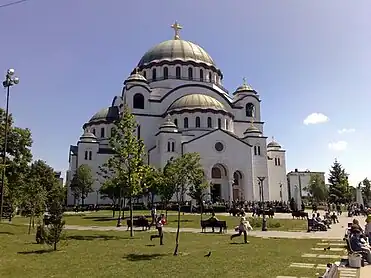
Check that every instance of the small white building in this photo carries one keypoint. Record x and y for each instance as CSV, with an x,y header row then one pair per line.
x,y
298,181
180,104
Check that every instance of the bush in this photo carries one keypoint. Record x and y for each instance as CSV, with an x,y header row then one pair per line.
x,y
257,223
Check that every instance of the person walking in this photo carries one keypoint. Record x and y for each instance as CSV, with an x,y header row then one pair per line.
x,y
161,221
244,227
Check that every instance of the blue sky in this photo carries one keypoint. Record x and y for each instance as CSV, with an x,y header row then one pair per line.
x,y
302,57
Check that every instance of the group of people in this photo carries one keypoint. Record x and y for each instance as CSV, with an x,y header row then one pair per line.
x,y
360,239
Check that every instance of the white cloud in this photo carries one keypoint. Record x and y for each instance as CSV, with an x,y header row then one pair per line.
x,y
338,146
315,118
346,130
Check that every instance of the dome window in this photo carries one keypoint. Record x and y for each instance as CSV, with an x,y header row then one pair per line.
x,y
219,123
201,75
177,73
166,73
102,132
198,122
190,73
250,110
176,122
93,131
185,122
209,122
210,77
138,101
154,75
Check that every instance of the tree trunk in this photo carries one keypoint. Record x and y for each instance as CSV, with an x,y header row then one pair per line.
x,y
177,234
29,225
119,217
201,209
166,209
152,199
113,208
55,239
131,217
123,209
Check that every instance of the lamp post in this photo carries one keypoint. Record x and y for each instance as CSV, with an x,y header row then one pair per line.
x,y
10,80
264,224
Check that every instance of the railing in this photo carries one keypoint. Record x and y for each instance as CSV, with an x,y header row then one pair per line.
x,y
184,78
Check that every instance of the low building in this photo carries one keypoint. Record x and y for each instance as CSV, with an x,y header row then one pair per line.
x,y
299,181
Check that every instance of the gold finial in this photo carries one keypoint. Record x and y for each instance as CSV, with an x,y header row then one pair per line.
x,y
176,26
252,122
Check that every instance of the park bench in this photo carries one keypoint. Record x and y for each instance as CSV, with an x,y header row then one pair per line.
x,y
299,214
313,227
351,251
222,225
139,222
267,212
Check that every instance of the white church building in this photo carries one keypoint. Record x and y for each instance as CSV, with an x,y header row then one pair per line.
x,y
181,106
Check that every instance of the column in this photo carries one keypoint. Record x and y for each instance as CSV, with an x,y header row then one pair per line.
x,y
230,184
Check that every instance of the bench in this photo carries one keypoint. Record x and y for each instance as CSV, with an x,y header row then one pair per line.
x,y
351,251
299,214
222,225
313,227
138,222
267,212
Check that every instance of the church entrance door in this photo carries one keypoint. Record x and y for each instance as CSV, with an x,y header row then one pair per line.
x,y
216,193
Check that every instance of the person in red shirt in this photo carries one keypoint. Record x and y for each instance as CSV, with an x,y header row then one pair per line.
x,y
161,221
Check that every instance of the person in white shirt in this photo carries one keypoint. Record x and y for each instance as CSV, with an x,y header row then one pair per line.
x,y
161,221
244,227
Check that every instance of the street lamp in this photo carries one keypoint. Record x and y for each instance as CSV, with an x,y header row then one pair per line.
x,y
264,224
281,192
10,80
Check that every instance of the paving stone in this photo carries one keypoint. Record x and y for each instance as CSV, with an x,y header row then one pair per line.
x,y
331,249
330,244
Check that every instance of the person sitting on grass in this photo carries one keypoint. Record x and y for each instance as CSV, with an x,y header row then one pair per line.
x,y
244,227
357,245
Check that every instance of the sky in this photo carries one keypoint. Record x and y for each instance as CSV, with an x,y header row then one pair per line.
x,y
310,61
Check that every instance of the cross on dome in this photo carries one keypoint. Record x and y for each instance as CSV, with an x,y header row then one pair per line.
x,y
244,81
177,27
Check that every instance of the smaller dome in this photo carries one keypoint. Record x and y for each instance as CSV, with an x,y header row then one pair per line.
x,y
196,101
136,76
88,137
109,114
169,125
252,129
273,144
244,88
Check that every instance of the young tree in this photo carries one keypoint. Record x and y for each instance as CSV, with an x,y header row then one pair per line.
x,y
339,191
111,190
152,181
317,188
54,231
18,157
179,173
366,190
82,182
127,162
197,189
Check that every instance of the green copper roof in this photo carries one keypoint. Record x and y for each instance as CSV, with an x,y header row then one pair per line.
x,y
176,49
196,101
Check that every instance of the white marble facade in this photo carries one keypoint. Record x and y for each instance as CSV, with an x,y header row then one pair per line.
x,y
181,106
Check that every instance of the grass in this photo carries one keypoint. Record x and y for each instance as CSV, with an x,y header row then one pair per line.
x,y
104,218
114,254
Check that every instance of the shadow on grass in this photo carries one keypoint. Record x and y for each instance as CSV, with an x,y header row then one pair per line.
x,y
96,237
183,221
150,245
237,243
143,257
35,252
100,218
6,233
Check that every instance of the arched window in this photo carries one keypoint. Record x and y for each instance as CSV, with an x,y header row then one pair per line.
x,y
275,161
93,131
255,150
219,123
258,150
102,132
198,122
226,124
216,173
173,146
250,110
168,146
210,77
176,122
145,74
90,155
86,155
201,75
190,73
166,73
209,122
185,122
177,73
138,101
138,132
154,75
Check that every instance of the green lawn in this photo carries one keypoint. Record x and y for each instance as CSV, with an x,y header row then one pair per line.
x,y
104,218
114,254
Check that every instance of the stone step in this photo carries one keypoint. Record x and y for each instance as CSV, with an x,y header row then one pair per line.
x,y
331,244
332,240
308,265
324,256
